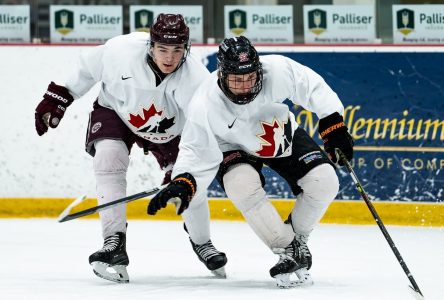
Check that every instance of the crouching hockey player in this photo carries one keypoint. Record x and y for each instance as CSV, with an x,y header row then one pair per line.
x,y
237,123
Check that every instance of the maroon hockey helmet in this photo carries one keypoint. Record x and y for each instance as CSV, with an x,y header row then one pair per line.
x,y
170,29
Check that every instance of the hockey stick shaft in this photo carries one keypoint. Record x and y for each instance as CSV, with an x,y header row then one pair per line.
x,y
378,220
98,208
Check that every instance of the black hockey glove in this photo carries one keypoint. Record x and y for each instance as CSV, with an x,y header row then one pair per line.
x,y
334,133
182,188
52,108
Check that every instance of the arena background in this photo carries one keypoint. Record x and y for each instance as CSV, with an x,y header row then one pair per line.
x,y
400,164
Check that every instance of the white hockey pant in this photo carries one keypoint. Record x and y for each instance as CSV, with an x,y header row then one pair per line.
x,y
243,186
320,186
110,166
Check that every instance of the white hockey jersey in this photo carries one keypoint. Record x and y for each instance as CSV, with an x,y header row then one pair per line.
x,y
128,86
263,127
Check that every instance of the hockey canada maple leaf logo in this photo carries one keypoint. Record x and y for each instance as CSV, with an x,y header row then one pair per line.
x,y
243,57
151,120
275,138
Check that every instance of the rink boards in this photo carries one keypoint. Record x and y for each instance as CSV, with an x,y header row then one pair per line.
x,y
339,212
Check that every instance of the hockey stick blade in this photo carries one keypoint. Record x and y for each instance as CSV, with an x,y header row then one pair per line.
x,y
89,211
416,294
69,207
379,222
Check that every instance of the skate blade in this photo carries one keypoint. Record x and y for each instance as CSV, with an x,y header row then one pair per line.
x,y
283,281
219,273
304,277
115,273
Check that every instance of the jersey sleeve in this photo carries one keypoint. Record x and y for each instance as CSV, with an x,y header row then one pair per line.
x,y
88,72
199,152
312,92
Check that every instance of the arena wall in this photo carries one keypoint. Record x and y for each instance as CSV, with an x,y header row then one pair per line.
x,y
394,102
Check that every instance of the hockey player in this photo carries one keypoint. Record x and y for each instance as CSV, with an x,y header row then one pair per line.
x,y
238,122
146,85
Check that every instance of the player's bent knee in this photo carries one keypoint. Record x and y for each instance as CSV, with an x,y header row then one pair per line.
x,y
111,157
321,183
243,186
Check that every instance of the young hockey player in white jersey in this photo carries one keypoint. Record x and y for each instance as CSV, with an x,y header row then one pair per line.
x,y
238,122
146,85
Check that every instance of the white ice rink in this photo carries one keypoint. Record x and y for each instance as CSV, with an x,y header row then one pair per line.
x,y
43,259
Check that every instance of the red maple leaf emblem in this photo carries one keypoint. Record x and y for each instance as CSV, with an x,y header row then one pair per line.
x,y
140,120
243,57
268,146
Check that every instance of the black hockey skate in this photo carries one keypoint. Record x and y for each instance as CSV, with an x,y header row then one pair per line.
x,y
213,259
305,255
290,262
111,261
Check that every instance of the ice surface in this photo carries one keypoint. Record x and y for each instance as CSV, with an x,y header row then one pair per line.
x,y
43,259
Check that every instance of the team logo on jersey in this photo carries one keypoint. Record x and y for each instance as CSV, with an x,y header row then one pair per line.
x,y
275,138
151,120
405,21
317,21
237,21
143,19
64,21
96,127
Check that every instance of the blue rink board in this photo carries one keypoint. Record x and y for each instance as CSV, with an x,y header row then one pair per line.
x,y
395,111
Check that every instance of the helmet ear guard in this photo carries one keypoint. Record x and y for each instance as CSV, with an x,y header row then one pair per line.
x,y
237,56
170,29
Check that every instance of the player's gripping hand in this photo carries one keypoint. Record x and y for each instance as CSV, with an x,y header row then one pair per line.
x,y
180,190
335,134
51,109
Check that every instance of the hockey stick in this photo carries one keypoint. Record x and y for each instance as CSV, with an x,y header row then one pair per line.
x,y
378,220
65,216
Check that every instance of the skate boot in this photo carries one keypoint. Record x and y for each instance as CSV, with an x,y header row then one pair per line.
x,y
111,261
305,257
213,259
290,262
